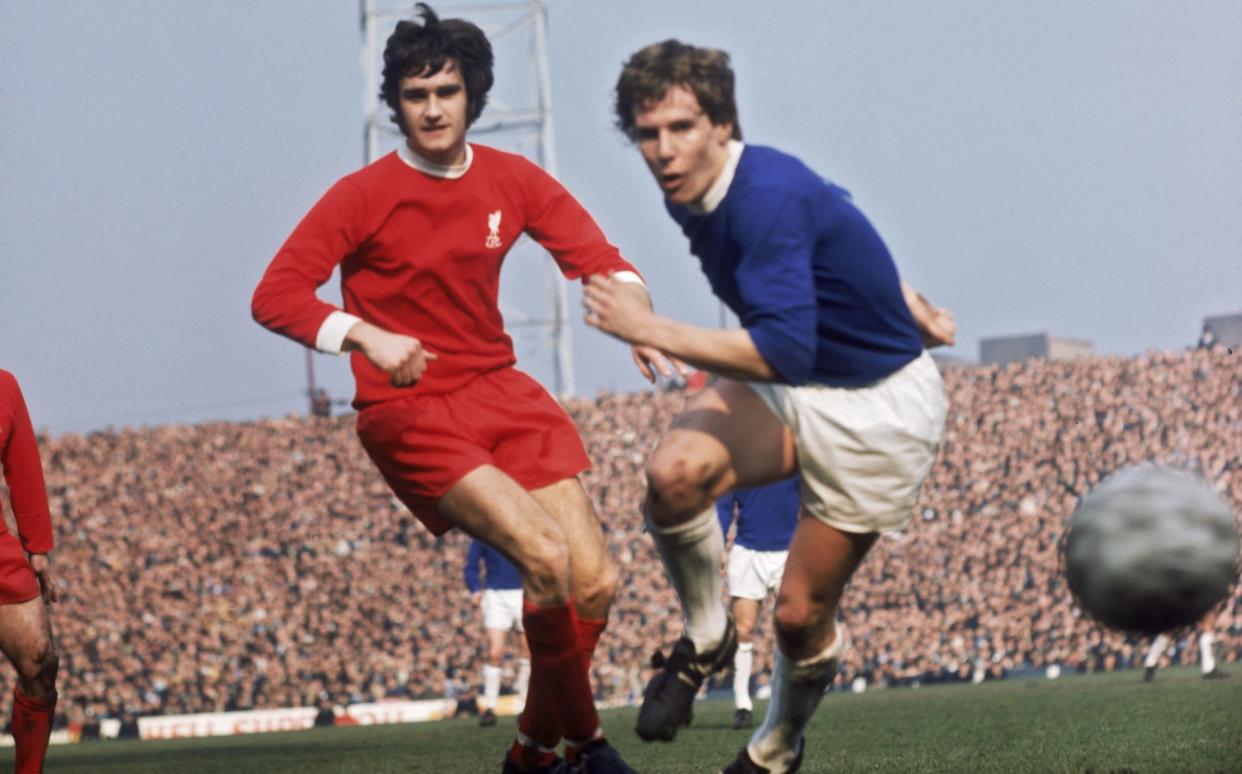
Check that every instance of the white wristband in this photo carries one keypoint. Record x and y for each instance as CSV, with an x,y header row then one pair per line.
x,y
331,336
628,276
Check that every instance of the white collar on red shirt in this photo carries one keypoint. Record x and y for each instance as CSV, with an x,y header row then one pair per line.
x,y
447,171
717,190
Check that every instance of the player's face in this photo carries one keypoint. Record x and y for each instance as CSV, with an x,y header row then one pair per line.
x,y
434,110
682,147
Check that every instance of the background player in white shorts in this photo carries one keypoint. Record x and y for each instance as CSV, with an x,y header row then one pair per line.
x,y
827,377
498,593
1207,650
766,518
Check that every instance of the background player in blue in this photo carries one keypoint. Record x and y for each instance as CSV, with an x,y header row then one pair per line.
x,y
826,377
766,518
498,594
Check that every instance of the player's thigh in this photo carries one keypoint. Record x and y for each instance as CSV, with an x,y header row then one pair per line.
x,y
25,632
489,505
728,438
820,563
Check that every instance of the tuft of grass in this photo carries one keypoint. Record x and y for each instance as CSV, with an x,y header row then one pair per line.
x,y
1096,723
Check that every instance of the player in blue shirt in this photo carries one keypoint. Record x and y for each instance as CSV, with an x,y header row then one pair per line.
x,y
826,377
766,517
498,593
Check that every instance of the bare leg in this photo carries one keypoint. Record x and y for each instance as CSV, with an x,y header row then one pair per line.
x,y
821,561
592,574
26,639
809,643
726,438
489,505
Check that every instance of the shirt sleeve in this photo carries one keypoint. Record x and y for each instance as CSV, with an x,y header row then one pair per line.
x,y
776,284
472,567
23,471
285,300
556,220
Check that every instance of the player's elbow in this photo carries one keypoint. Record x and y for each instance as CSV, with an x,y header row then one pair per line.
x,y
789,359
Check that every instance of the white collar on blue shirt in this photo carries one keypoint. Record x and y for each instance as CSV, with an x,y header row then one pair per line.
x,y
717,190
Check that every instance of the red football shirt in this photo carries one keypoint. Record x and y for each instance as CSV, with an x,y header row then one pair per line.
x,y
23,471
420,249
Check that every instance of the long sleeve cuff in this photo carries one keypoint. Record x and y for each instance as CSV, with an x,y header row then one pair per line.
x,y
331,336
628,276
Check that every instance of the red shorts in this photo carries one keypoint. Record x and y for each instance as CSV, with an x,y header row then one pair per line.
x,y
17,581
424,444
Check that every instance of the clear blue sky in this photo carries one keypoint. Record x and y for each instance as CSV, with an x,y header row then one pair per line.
x,y
1062,166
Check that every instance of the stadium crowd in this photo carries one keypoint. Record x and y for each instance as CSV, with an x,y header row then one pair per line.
x,y
231,566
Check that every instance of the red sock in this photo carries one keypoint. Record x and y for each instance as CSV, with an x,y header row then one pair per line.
x,y
589,632
558,678
31,726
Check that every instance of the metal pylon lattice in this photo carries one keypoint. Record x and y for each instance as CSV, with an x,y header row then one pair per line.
x,y
518,117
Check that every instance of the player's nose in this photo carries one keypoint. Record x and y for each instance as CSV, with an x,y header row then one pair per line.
x,y
664,146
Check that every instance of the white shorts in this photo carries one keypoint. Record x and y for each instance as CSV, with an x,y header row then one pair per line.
x,y
502,609
864,451
755,574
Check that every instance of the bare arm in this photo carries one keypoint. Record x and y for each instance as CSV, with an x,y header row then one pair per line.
x,y
728,352
650,360
401,357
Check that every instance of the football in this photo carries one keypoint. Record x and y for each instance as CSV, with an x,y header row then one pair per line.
x,y
1151,549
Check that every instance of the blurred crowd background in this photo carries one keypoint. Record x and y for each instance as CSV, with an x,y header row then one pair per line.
x,y
230,566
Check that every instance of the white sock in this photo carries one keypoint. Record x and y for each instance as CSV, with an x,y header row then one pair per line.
x,y
742,664
522,681
692,554
1207,654
1156,651
491,686
797,689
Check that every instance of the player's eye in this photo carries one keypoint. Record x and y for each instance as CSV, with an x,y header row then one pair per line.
x,y
414,95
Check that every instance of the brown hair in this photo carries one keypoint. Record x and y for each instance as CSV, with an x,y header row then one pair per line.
x,y
652,71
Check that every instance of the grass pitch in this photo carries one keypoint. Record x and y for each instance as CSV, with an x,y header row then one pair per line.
x,y
1099,723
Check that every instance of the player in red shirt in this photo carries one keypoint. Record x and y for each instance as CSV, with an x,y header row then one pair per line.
x,y
463,438
26,584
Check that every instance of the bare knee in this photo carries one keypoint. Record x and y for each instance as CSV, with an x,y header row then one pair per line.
x,y
38,672
593,593
802,626
544,564
678,487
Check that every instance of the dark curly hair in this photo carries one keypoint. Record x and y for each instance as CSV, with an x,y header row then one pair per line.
x,y
415,49
652,71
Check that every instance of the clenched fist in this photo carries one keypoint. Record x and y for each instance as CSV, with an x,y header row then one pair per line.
x,y
402,357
